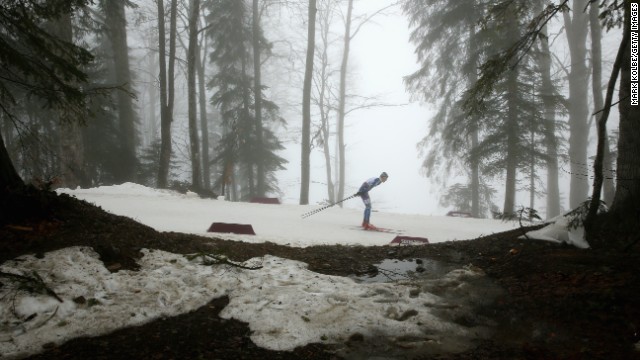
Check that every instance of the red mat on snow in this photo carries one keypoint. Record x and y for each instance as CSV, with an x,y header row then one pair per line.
x,y
244,229
409,240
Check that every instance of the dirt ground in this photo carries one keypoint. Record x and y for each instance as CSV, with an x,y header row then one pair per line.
x,y
558,302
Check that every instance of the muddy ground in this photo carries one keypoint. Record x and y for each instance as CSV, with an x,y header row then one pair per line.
x,y
558,302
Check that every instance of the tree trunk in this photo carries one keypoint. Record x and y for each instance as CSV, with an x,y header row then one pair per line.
x,y
547,92
204,121
601,127
532,165
9,178
576,28
512,124
247,125
598,101
475,174
257,85
342,101
324,101
149,107
71,154
117,28
626,203
512,143
474,132
166,90
306,107
192,55
71,143
326,134
165,121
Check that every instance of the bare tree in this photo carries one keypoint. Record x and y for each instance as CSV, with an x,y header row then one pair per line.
x,y
342,99
192,55
167,89
349,35
150,132
324,91
306,106
204,120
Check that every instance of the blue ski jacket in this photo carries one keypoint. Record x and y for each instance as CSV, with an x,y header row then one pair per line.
x,y
368,185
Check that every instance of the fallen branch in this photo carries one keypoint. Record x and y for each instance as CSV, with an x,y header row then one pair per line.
x,y
393,275
214,259
19,227
31,284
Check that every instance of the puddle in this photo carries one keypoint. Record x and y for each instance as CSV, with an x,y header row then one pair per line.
x,y
391,270
452,306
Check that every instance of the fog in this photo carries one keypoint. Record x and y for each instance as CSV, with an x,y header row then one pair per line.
x,y
383,123
378,138
381,138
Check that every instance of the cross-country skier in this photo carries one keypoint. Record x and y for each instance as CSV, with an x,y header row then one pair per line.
x,y
363,192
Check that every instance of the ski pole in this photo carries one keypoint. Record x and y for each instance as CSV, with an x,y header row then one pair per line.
x,y
306,215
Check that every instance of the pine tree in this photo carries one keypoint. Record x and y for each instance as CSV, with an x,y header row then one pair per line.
x,y
36,64
239,151
115,26
514,141
488,137
449,27
460,197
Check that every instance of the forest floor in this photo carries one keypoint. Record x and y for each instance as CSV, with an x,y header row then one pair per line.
x,y
559,302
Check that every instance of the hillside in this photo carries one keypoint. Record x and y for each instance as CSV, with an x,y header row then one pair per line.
x,y
557,301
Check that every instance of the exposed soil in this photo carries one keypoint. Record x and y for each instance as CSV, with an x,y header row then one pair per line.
x,y
559,302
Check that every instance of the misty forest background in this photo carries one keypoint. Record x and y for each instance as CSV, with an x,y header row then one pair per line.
x,y
199,95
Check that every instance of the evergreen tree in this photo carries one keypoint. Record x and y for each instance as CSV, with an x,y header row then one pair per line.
x,y
35,64
115,27
489,139
239,151
105,158
514,141
460,197
449,27
87,151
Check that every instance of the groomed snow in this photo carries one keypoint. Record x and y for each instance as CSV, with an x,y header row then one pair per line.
x,y
166,210
285,304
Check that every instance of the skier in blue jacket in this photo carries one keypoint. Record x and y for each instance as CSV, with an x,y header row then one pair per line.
x,y
363,192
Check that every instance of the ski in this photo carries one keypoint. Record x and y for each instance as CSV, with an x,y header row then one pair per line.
x,y
379,229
